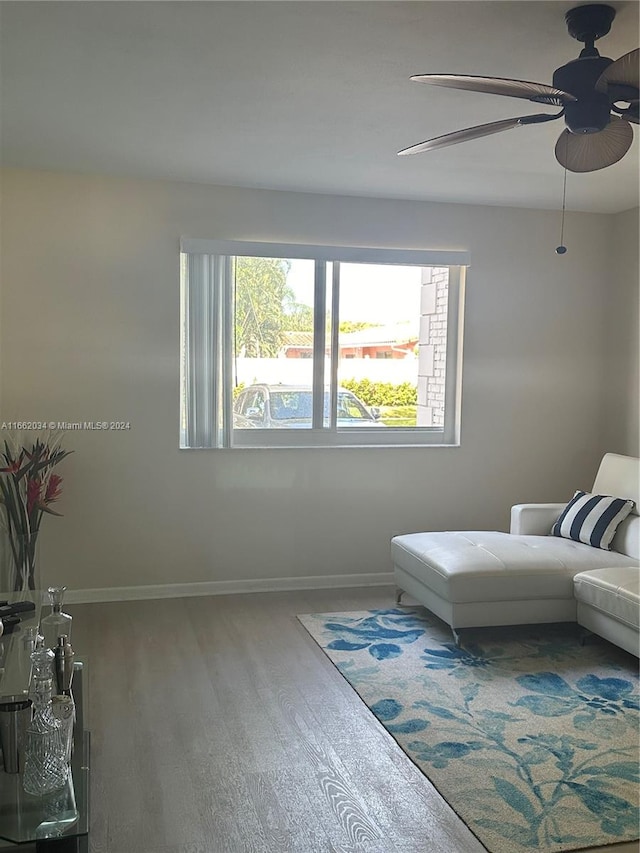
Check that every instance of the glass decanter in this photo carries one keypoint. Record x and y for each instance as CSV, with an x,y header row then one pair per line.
x,y
57,623
45,766
59,812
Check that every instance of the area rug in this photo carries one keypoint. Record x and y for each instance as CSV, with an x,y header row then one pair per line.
x,y
529,736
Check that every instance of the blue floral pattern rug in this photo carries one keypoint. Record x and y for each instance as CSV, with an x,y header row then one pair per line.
x,y
530,737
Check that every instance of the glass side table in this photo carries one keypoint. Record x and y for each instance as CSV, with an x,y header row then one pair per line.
x,y
57,822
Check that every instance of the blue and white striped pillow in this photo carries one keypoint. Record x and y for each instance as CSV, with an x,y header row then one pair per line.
x,y
592,519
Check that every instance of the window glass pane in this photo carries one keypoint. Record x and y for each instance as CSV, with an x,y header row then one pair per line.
x,y
328,331
273,346
184,349
393,343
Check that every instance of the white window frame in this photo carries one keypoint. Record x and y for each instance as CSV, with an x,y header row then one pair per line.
x,y
207,347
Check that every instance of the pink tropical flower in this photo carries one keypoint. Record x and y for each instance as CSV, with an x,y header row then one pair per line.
x,y
54,488
34,489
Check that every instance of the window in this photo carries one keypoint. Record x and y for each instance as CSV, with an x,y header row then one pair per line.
x,y
288,345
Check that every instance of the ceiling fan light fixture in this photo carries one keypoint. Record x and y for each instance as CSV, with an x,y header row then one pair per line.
x,y
588,115
579,152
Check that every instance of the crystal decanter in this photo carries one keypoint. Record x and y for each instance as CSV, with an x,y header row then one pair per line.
x,y
57,623
45,765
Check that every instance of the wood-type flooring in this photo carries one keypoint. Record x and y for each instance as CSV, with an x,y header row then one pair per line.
x,y
218,726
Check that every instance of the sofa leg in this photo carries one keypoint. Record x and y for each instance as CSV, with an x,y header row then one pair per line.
x,y
399,594
585,636
456,637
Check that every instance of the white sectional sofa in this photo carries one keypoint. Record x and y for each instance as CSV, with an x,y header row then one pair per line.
x,y
482,578
608,604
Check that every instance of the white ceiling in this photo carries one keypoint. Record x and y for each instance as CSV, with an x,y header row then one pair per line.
x,y
306,96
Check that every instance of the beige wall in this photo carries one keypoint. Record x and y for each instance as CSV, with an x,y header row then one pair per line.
x,y
622,386
90,332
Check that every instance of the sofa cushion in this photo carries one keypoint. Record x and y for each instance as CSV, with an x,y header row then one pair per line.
x,y
475,566
612,590
592,519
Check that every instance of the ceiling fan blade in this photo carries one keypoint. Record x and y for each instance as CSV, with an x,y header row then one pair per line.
x,y
622,72
461,136
475,133
538,92
588,152
629,113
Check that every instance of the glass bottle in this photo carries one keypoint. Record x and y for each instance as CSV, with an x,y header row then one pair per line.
x,y
63,706
45,766
59,812
63,709
57,623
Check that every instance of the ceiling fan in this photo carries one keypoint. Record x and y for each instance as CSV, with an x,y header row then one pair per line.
x,y
598,98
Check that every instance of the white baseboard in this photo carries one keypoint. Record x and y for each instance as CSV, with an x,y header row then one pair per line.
x,y
232,587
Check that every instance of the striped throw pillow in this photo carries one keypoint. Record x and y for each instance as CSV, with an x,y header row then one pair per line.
x,y
592,519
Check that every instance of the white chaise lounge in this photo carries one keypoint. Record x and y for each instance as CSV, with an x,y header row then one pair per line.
x,y
483,578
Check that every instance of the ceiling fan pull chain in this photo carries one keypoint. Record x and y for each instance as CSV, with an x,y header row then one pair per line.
x,y
562,249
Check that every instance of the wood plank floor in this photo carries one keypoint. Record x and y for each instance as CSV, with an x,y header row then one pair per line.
x,y
218,726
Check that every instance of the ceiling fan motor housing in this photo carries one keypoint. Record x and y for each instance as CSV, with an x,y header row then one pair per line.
x,y
590,112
